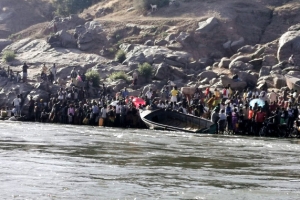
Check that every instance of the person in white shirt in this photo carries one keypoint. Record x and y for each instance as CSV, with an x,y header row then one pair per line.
x,y
118,115
161,105
295,94
16,103
222,121
149,94
272,96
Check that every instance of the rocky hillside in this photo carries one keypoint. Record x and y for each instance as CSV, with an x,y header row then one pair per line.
x,y
196,43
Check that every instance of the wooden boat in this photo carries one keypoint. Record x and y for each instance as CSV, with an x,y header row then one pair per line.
x,y
175,121
292,82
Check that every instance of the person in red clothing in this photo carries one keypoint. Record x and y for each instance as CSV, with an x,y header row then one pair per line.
x,y
273,106
259,119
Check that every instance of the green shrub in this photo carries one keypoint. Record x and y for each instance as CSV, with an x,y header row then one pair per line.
x,y
8,56
120,56
143,5
119,75
93,76
67,7
145,70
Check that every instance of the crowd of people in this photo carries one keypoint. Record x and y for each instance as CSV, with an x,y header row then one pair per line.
x,y
231,111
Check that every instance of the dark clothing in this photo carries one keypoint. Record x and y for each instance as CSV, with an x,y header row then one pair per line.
x,y
25,67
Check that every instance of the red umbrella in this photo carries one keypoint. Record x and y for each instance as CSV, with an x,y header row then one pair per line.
x,y
137,101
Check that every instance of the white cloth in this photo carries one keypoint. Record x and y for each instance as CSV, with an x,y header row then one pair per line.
x,y
118,109
222,116
161,105
295,94
17,101
272,97
103,111
149,94
173,99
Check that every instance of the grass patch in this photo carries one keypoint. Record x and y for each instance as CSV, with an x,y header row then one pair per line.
x,y
8,56
119,75
93,76
120,56
145,70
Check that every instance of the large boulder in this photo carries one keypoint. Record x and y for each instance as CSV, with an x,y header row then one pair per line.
x,y
249,78
160,42
247,49
224,63
243,58
207,25
188,90
170,37
269,60
162,72
66,23
90,36
38,51
237,66
178,73
207,74
235,45
236,85
118,85
142,53
39,94
264,71
183,37
67,40
257,63
279,82
289,43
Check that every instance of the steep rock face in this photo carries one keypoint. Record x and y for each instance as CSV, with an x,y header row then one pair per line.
x,y
39,51
282,18
249,20
142,53
289,43
17,15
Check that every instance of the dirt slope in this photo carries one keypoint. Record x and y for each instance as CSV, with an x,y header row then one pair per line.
x,y
17,15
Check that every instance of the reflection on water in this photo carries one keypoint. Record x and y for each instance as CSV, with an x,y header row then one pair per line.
x,y
44,161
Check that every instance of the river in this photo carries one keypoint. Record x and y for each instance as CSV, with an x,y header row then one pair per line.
x,y
47,161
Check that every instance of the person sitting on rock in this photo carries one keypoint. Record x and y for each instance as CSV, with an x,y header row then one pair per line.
x,y
18,78
235,78
44,68
135,77
11,75
74,76
291,60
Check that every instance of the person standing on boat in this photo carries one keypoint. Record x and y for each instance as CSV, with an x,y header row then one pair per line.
x,y
149,94
174,94
215,118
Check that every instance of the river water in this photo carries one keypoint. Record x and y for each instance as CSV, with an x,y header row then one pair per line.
x,y
46,161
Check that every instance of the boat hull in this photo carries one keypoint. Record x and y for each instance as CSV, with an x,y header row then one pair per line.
x,y
175,121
